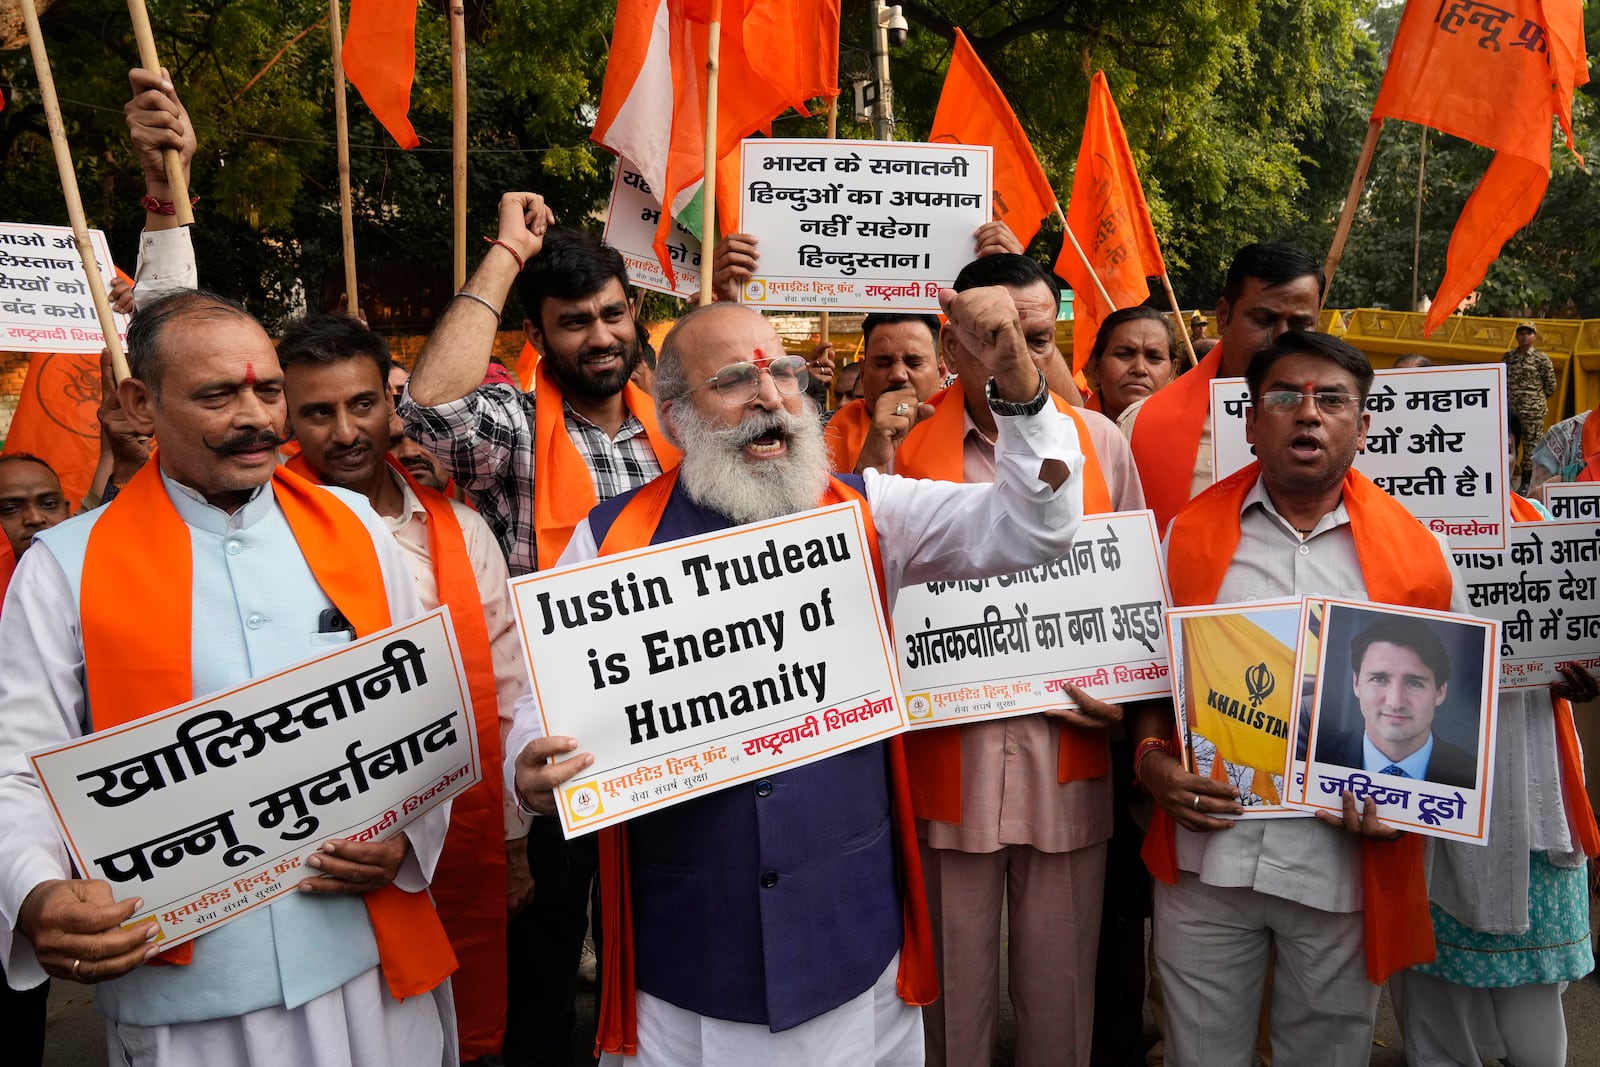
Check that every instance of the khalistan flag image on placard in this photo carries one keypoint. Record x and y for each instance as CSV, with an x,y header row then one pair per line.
x,y
1240,680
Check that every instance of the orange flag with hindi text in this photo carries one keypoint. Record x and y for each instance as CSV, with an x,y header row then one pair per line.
x,y
1111,221
1494,76
973,110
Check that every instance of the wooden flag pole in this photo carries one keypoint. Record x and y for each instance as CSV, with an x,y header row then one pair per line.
x,y
69,189
1177,313
1416,230
152,62
708,185
341,134
1351,200
826,319
458,134
1099,286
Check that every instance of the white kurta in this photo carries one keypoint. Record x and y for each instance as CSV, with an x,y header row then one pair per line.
x,y
927,531
239,633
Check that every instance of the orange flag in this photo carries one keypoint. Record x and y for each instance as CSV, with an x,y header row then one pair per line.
x,y
1111,220
774,55
380,59
57,418
1494,76
973,110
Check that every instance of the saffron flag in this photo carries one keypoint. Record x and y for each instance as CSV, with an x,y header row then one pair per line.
x,y
1493,76
380,59
57,418
774,55
1239,694
1111,221
973,110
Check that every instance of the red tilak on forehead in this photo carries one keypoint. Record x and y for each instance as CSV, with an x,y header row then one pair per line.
x,y
249,374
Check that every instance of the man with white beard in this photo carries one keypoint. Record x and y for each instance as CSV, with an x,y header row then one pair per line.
x,y
782,921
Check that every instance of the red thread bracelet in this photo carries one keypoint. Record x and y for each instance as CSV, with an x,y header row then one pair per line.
x,y
508,248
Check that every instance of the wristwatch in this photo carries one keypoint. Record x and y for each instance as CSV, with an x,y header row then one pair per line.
x,y
1006,407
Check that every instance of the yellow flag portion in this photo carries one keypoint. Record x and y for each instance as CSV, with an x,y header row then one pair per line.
x,y
1240,685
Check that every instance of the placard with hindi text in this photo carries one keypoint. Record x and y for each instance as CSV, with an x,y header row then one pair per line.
x,y
45,304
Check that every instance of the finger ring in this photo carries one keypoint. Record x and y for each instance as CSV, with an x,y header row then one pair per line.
x,y
1197,802
75,972
901,409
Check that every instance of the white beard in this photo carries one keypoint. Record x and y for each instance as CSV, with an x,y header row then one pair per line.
x,y
717,475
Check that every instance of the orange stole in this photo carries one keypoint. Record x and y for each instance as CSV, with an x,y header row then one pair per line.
x,y
474,851
1401,564
846,434
8,564
1589,444
933,449
916,982
138,662
1166,437
563,489
1569,756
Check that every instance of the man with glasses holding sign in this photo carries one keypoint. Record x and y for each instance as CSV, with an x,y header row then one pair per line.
x,y
1342,900
782,921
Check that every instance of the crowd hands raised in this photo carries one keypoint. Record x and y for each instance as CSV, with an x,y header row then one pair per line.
x,y
994,812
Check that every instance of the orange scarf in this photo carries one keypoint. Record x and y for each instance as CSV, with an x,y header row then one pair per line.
x,y
846,434
1580,815
137,662
8,564
934,449
474,853
1589,443
1166,437
1401,564
916,982
563,487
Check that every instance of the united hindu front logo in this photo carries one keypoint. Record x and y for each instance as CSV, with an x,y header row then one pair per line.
x,y
583,800
918,706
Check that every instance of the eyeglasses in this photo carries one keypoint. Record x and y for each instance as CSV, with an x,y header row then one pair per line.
x,y
1282,403
739,383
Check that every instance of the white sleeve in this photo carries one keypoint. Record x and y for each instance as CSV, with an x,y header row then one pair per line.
x,y
166,265
42,702
929,530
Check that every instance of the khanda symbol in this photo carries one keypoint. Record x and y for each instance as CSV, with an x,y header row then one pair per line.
x,y
1259,681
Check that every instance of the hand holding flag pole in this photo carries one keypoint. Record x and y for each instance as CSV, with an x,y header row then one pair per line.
x,y
149,60
69,185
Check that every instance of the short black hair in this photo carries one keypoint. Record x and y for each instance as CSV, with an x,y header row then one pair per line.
x,y
29,457
570,265
329,338
1273,263
1129,314
1406,632
1309,343
148,326
1008,269
876,319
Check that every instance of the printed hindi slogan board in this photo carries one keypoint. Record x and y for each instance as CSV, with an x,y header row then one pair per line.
x,y
1542,589
1237,680
1572,500
45,304
996,647
1437,444
210,810
1402,714
687,667
631,220
860,225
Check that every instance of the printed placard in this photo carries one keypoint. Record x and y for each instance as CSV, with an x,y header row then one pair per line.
x,y
1572,500
1542,589
860,225
687,667
631,220
210,810
45,304
1402,714
1237,681
1437,444
996,647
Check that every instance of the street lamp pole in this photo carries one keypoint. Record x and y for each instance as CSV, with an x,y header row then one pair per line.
x,y
888,26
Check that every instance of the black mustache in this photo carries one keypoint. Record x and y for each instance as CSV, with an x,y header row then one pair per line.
x,y
246,440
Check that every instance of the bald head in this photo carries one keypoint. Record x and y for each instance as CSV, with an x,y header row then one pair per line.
x,y
690,333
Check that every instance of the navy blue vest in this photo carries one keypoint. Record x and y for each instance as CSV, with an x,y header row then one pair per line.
x,y
772,901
